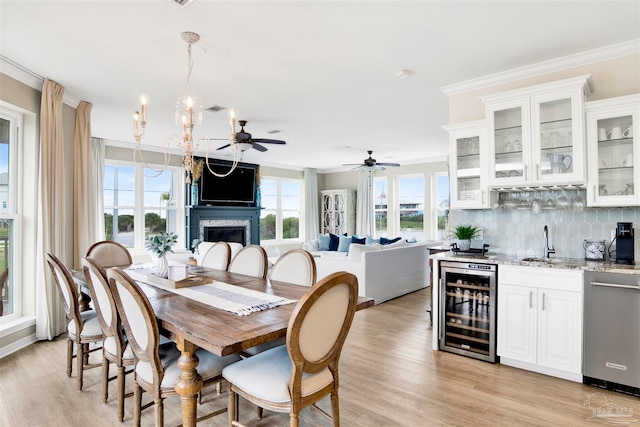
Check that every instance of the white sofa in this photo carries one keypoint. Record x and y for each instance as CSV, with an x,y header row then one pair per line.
x,y
384,272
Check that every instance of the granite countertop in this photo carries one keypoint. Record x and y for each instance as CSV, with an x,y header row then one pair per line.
x,y
553,262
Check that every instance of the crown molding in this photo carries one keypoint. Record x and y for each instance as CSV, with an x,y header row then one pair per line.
x,y
627,48
31,79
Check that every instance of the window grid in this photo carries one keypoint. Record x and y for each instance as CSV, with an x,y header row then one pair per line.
x,y
280,218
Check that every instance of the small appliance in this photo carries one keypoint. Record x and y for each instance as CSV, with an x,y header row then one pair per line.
x,y
624,243
594,250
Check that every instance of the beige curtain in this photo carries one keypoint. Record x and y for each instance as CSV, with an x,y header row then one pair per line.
x,y
97,172
50,317
84,207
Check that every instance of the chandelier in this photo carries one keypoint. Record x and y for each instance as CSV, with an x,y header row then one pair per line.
x,y
188,113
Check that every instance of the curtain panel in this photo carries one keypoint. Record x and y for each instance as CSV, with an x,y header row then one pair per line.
x,y
84,195
50,317
364,207
97,178
311,206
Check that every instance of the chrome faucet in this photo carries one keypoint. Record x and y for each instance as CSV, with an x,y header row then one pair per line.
x,y
547,250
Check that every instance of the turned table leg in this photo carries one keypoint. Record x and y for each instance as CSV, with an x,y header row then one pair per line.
x,y
189,383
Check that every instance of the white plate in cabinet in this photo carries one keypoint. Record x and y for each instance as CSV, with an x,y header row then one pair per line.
x,y
540,320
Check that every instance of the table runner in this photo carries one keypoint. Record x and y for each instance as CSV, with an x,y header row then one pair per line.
x,y
235,299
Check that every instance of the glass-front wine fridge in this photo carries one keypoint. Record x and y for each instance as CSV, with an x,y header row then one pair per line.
x,y
468,296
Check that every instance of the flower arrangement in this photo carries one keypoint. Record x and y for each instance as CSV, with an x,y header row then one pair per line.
x,y
194,245
466,231
196,170
161,243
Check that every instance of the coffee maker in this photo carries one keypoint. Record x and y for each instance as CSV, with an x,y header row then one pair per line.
x,y
624,243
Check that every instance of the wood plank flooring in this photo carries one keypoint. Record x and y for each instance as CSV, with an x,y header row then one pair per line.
x,y
389,376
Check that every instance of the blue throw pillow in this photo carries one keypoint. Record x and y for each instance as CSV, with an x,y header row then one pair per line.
x,y
343,244
362,241
370,240
334,242
323,242
385,241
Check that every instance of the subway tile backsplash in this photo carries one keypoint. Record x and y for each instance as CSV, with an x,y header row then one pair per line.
x,y
520,232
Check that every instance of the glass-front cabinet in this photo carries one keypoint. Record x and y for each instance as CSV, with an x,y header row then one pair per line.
x,y
468,173
536,134
613,151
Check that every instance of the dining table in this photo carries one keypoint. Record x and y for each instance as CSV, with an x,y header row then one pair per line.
x,y
193,324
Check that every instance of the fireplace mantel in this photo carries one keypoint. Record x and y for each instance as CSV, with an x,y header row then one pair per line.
x,y
198,214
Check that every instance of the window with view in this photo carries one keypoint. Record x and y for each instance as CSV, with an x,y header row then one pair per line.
x,y
140,202
281,207
441,205
410,207
10,124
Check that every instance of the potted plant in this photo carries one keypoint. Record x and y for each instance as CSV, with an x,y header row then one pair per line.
x,y
159,245
464,233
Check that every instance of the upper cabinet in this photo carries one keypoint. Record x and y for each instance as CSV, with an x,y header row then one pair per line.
x,y
536,134
613,138
468,173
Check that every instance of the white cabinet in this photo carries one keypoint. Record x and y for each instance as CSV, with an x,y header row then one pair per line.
x,y
536,134
540,320
613,138
467,167
338,211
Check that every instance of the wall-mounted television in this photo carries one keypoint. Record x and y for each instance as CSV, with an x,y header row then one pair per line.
x,y
239,188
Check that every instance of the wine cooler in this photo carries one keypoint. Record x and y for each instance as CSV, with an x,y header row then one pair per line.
x,y
468,296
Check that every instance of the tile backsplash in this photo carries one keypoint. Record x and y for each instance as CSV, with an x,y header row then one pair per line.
x,y
520,231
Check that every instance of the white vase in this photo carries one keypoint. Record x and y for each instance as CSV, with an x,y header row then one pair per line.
x,y
162,267
464,245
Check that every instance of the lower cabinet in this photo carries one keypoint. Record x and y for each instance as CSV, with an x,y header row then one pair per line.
x,y
540,320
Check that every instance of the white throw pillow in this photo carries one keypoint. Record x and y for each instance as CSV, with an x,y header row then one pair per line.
x,y
311,246
356,250
400,243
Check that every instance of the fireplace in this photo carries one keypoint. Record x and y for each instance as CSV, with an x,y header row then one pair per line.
x,y
226,218
225,234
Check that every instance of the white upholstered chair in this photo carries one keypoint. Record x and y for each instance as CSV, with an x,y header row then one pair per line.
x,y
250,260
82,328
289,378
298,267
156,366
110,254
218,256
115,348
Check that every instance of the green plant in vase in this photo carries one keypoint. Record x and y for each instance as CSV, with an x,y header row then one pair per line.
x,y
159,245
464,233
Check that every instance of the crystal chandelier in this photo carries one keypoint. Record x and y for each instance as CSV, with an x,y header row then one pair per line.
x,y
188,113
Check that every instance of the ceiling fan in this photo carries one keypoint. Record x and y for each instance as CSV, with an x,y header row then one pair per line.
x,y
244,137
372,164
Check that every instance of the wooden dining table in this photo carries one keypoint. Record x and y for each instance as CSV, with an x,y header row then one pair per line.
x,y
193,324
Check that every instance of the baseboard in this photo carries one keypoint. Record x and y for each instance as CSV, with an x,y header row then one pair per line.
x,y
17,345
558,373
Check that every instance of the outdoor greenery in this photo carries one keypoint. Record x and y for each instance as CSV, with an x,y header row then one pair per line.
x,y
415,222
153,224
290,227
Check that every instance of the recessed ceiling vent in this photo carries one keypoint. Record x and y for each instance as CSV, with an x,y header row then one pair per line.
x,y
215,108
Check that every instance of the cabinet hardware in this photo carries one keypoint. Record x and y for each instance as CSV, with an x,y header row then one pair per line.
x,y
543,300
530,299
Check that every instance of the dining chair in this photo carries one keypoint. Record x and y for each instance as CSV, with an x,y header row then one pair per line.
x,y
114,348
110,254
156,368
4,277
250,260
305,370
83,328
298,267
218,256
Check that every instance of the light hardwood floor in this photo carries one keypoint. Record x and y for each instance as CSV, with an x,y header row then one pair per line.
x,y
389,376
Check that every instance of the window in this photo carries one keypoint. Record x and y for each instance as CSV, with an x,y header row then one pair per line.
x,y
282,205
139,202
380,205
440,205
410,206
10,143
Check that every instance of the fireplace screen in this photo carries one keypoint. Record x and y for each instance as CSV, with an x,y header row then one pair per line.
x,y
225,234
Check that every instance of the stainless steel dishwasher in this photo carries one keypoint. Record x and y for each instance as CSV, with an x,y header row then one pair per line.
x,y
612,331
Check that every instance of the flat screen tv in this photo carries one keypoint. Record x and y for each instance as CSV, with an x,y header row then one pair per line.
x,y
239,188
